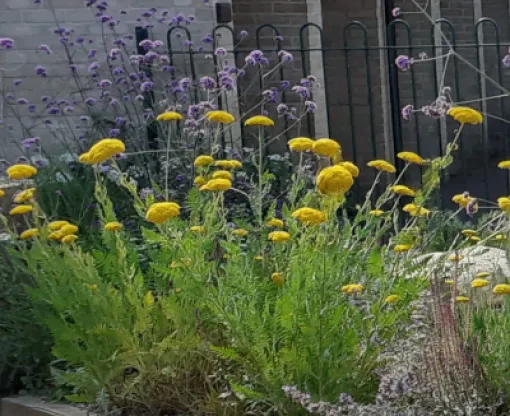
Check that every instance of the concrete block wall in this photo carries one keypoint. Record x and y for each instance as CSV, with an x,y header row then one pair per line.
x,y
31,25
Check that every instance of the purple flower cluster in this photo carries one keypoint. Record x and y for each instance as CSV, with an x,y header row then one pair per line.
x,y
7,43
403,62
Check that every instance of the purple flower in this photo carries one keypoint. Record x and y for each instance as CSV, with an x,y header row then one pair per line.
x,y
208,83
120,121
17,82
188,43
117,71
30,142
147,44
120,156
41,71
32,108
147,86
7,43
302,91
271,95
84,118
194,111
45,48
285,56
105,83
282,109
69,109
255,57
403,62
44,98
147,14
407,112
41,163
220,52
208,39
146,192
180,178
37,1
395,12
92,53
158,43
310,107
114,53
285,85
54,111
73,67
80,40
114,132
105,18
90,101
506,61
243,33
114,102
185,83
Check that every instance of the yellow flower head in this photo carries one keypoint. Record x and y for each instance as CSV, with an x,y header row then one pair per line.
x,y
327,147
2,193
334,180
279,236
261,121
309,216
392,299
382,165
505,164
102,151
69,239
57,225
21,209
353,288
30,233
217,185
24,196
69,229
219,116
200,180
275,222
502,289
258,258
56,236
240,232
411,157
278,279
455,258
20,172
469,233
482,275
351,167
229,164
161,212
199,229
222,174
300,144
500,237
465,115
402,248
376,212
92,288
462,299
403,190
416,211
169,116
203,160
462,200
475,239
478,283
113,226
450,282
504,203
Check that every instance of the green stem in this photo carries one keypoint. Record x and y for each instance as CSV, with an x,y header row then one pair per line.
x,y
261,172
167,167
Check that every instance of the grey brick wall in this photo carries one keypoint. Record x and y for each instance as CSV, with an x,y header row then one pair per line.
x,y
31,25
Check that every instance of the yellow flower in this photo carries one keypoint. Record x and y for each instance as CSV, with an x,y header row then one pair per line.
x,y
275,222
30,233
475,238
411,157
382,166
402,248
478,283
199,229
462,199
259,121
351,167
203,160
55,236
222,174
334,180
465,115
392,299
450,282
469,233
500,237
455,257
416,211
376,212
309,216
92,288
169,116
504,203
217,185
25,196
161,212
403,190
482,275
69,229
113,226
327,147
2,193
258,258
69,239
278,279
102,151
219,116
501,289
353,288
240,232
57,225
19,172
21,209
462,299
200,180
505,164
279,236
229,164
300,144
